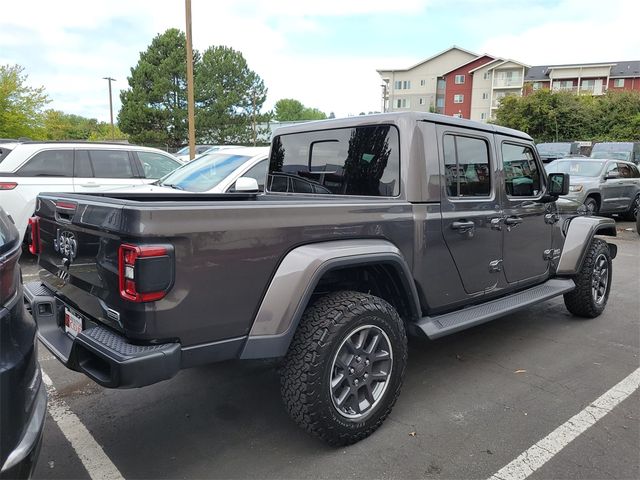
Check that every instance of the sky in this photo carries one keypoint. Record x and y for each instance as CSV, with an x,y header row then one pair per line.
x,y
322,52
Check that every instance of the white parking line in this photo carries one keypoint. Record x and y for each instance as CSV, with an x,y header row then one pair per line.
x,y
95,461
540,453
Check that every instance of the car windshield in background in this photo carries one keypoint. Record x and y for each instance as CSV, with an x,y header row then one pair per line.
x,y
182,151
612,155
4,151
580,168
553,148
204,173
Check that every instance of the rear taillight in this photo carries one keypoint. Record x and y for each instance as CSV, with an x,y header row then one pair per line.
x,y
34,241
8,185
8,279
145,272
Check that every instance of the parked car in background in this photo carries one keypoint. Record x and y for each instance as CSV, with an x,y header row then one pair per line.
x,y
603,186
34,167
212,173
628,151
183,153
23,400
552,151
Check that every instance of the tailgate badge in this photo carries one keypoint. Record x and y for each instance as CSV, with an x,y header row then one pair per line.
x,y
66,244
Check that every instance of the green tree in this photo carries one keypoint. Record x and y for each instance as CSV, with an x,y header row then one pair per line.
x,y
229,97
154,107
555,116
20,105
289,110
57,125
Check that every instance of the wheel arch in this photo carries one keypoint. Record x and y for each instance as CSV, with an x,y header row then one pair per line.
x,y
309,267
578,236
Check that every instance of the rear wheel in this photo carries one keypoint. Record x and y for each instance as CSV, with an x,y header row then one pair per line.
x,y
344,369
632,213
593,282
591,205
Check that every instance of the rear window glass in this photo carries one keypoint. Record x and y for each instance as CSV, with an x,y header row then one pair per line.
x,y
346,161
111,163
4,151
49,163
466,162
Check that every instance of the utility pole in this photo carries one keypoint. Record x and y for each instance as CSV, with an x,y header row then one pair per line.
x,y
190,100
113,130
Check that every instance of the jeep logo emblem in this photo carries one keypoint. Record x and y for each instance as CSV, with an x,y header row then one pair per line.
x,y
66,244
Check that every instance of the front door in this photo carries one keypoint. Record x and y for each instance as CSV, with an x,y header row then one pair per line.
x,y
527,224
613,189
470,208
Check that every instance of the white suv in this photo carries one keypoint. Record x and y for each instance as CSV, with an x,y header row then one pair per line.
x,y
28,168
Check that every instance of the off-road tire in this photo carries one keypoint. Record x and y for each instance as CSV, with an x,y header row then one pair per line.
x,y
581,301
632,213
592,206
307,368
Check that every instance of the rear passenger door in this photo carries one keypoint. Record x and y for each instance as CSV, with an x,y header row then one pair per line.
x,y
471,209
101,170
528,223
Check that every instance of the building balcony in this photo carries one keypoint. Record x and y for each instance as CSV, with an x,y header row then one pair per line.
x,y
513,82
584,89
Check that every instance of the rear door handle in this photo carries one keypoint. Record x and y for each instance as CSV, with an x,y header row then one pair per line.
x,y
463,226
511,221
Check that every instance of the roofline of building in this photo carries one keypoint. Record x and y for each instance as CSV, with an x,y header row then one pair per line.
x,y
578,65
454,47
471,61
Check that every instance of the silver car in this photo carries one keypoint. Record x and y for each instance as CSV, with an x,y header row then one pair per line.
x,y
602,185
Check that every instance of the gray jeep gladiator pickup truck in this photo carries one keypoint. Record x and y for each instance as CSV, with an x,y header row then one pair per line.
x,y
370,228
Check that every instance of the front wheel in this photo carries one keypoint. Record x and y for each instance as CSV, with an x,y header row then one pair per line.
x,y
591,204
344,368
593,282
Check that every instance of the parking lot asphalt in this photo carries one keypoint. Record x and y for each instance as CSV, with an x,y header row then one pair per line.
x,y
471,403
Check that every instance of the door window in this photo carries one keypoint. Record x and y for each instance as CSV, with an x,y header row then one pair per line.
x,y
111,163
612,170
155,165
82,165
625,170
467,171
49,163
521,173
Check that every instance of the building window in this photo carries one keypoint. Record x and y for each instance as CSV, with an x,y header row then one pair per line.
x,y
536,85
406,85
423,82
459,80
441,84
440,102
459,98
402,103
486,75
421,101
397,85
485,96
618,82
483,116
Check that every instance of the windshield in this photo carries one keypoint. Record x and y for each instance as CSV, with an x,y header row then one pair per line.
x,y
581,168
553,148
204,173
612,155
182,151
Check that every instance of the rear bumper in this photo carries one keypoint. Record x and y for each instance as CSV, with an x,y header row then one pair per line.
x,y
22,460
103,355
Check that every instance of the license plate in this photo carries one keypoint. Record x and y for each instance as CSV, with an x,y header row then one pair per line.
x,y
72,323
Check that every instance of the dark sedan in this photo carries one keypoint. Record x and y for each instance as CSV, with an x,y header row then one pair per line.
x,y
23,399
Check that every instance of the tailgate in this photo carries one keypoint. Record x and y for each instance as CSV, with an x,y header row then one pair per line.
x,y
79,241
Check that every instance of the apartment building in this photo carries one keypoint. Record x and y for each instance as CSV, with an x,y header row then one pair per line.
x,y
461,83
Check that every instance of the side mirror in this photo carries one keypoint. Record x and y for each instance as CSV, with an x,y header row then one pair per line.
x,y
612,175
558,184
246,184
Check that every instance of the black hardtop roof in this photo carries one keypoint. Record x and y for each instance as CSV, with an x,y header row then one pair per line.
x,y
398,118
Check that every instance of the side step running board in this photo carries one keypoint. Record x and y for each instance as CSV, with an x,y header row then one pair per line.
x,y
441,325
